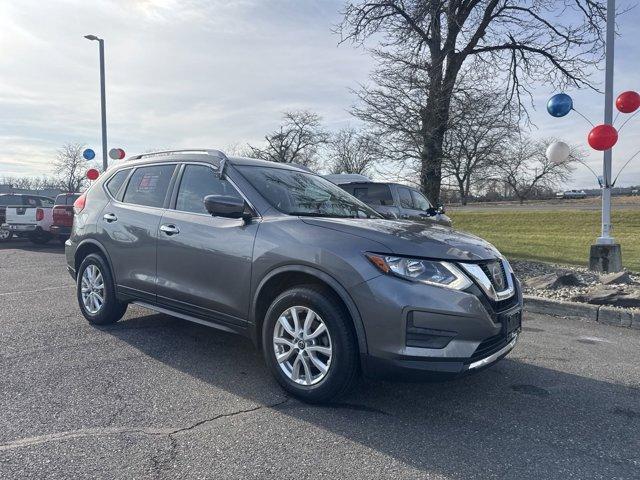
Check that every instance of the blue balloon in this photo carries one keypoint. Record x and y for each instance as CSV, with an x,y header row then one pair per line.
x,y
559,105
89,154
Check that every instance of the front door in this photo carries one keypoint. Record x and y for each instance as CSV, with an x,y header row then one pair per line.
x,y
204,262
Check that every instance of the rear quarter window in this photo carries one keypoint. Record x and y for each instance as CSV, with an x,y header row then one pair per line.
x,y
115,182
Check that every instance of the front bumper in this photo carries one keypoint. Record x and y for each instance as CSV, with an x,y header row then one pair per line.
x,y
416,330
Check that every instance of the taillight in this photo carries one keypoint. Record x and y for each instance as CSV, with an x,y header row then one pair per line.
x,y
39,214
80,202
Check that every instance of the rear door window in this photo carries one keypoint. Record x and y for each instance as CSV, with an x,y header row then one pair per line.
x,y
405,197
148,186
115,182
374,194
197,182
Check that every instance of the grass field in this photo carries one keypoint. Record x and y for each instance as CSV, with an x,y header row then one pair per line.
x,y
552,236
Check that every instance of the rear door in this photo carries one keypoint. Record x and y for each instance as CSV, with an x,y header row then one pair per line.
x,y
129,227
204,262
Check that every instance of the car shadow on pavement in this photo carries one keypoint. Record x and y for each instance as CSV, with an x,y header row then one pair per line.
x,y
513,419
54,246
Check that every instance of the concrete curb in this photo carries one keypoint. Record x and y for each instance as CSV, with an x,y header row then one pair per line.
x,y
595,313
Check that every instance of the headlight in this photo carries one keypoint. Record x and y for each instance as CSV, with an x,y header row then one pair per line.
x,y
442,274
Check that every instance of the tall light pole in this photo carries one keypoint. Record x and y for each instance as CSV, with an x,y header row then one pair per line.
x,y
606,254
103,100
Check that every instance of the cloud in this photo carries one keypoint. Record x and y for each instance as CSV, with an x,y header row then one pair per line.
x,y
197,73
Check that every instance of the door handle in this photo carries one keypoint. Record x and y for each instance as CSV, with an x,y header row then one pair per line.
x,y
169,229
110,217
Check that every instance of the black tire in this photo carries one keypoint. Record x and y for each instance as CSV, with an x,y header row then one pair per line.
x,y
112,310
5,236
344,367
40,238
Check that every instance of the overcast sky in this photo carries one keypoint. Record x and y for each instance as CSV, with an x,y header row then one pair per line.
x,y
197,73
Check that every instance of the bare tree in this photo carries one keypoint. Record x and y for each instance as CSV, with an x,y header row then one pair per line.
x,y
70,167
480,129
298,139
30,183
525,168
352,151
510,44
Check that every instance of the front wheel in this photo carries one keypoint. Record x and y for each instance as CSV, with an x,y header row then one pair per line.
x,y
96,292
309,344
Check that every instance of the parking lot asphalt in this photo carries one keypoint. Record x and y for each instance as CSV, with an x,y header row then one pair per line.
x,y
156,397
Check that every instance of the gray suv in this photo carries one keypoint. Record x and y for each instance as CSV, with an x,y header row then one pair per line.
x,y
324,285
393,200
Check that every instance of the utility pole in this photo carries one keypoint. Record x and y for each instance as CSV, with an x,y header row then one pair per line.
x,y
103,100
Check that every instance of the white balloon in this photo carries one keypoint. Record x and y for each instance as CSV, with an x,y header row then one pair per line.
x,y
558,152
114,154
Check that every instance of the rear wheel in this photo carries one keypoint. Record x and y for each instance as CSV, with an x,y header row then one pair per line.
x,y
96,292
5,235
309,345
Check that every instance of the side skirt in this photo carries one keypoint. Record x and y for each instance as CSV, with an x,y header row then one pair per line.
x,y
190,318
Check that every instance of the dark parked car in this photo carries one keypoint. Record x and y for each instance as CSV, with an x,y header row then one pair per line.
x,y
322,283
392,200
63,215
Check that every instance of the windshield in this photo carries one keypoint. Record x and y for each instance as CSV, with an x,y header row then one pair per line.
x,y
299,193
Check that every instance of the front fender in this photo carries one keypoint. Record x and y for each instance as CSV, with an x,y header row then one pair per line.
x,y
323,277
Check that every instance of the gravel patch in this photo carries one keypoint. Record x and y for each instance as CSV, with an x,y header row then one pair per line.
x,y
526,269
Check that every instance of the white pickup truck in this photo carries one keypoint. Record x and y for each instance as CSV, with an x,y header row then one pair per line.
x,y
32,219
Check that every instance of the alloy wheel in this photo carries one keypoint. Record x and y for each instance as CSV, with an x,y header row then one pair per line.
x,y
302,345
92,289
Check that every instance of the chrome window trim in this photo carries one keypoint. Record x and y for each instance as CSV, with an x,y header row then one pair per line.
x,y
474,270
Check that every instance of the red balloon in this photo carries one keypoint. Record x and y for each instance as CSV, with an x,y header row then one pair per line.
x,y
92,174
121,154
628,102
602,137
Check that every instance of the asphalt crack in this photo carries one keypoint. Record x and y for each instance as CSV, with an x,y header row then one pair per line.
x,y
144,431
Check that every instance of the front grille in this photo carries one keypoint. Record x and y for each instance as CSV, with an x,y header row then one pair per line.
x,y
486,268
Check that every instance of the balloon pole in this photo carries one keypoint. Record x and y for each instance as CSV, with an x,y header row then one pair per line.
x,y
606,255
605,238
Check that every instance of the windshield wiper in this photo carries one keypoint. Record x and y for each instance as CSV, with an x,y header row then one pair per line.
x,y
320,214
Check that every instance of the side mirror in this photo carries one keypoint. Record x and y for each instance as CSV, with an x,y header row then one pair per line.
x,y
440,209
228,207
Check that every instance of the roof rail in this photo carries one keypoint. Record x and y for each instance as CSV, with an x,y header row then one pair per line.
x,y
202,151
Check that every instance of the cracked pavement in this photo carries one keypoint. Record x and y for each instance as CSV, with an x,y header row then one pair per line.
x,y
156,397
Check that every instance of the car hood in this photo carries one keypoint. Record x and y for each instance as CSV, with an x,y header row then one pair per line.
x,y
409,238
